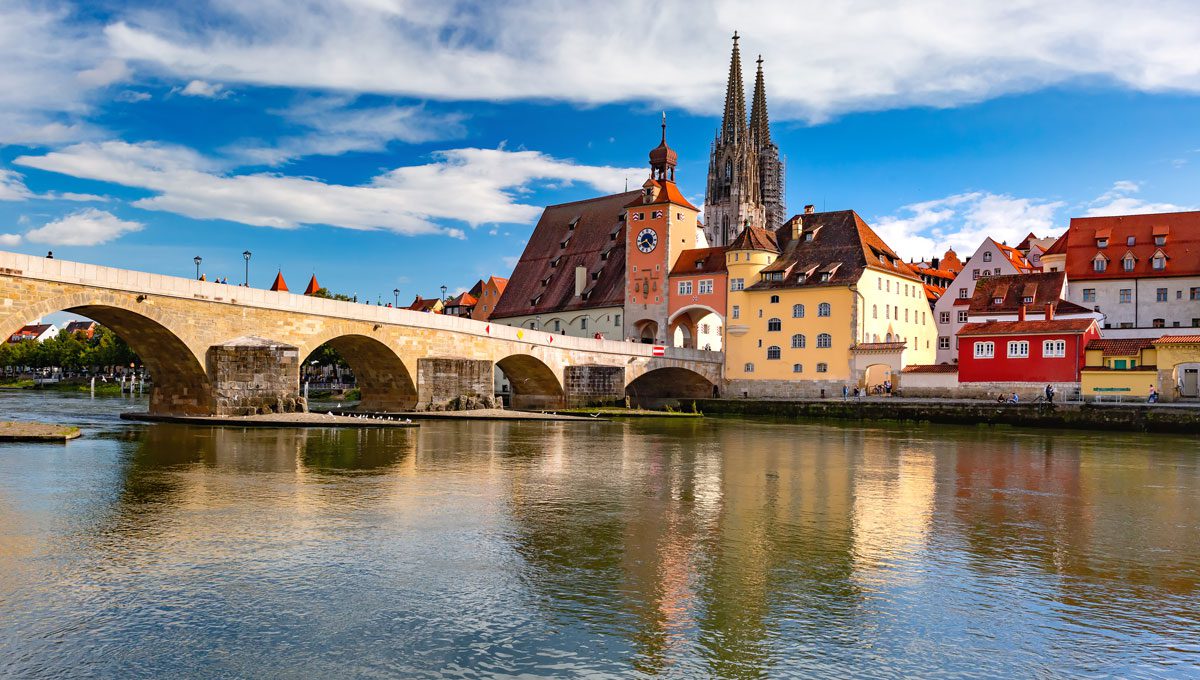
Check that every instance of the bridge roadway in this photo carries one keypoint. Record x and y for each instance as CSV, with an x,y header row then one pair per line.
x,y
216,349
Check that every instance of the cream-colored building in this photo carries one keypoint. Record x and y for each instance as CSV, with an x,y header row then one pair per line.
x,y
824,303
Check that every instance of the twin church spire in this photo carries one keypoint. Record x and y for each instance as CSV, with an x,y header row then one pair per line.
x,y
745,174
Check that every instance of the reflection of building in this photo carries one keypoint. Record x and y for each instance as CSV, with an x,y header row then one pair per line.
x,y
821,303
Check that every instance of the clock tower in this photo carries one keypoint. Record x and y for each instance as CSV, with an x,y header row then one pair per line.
x,y
659,225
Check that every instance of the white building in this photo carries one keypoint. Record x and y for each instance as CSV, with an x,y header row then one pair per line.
x,y
952,309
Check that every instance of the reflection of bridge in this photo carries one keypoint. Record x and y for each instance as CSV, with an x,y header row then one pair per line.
x,y
220,349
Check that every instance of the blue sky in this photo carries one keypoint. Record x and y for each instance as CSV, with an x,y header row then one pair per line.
x,y
410,144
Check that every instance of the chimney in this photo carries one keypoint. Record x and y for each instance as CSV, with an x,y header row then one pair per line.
x,y
797,228
580,280
1021,313
810,209
933,264
1049,311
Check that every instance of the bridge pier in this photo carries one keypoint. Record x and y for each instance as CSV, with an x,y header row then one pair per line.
x,y
252,375
594,385
441,381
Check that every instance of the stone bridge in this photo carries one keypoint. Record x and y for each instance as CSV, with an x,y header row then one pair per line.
x,y
220,349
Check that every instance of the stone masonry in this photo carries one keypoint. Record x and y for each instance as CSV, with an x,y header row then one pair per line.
x,y
594,385
455,384
254,375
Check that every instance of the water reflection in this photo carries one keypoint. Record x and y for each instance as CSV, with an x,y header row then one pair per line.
x,y
702,548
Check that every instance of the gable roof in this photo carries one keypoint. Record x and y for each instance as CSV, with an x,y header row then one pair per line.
x,y
1182,247
842,245
755,238
1012,289
668,192
463,300
555,249
1014,256
80,326
420,304
1120,347
700,261
1036,327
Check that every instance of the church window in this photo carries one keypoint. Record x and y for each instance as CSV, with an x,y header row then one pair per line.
x,y
728,171
874,311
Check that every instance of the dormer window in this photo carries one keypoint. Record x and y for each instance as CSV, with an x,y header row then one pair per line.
x,y
563,245
605,254
1160,240
596,276
1099,263
882,259
1128,262
1027,299
546,281
555,262
1130,240
1102,243
699,264
571,226
997,300
1159,261
808,235
825,276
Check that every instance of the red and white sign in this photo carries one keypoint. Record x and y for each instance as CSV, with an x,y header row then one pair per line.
x,y
660,351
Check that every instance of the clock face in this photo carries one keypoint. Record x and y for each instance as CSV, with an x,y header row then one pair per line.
x,y
647,239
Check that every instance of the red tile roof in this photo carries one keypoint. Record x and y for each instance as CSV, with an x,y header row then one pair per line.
x,y
932,368
80,326
878,346
1012,289
1015,257
279,284
668,192
1036,327
313,286
1178,340
840,238
700,261
1120,347
30,332
755,238
1182,247
463,300
420,304
1059,247
597,230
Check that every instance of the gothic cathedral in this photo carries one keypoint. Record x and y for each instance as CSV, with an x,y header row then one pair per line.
x,y
745,172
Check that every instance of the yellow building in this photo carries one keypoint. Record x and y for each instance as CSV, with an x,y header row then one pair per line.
x,y
1129,367
821,304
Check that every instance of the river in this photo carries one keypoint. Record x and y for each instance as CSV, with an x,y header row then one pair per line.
x,y
692,548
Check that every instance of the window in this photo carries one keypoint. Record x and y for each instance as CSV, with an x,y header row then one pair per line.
x,y
749,367
987,256
822,368
825,276
974,274
1160,240
1018,349
798,341
760,313
1158,323
1054,348
888,285
1194,294
1099,264
1089,294
1128,263
616,319
736,312
773,353
1028,299
824,341
962,316
1126,295
997,272
887,311
1160,295
774,325
1101,243
985,350
1130,240
705,286
874,311
943,342
997,300
962,293
797,311
685,287
797,368
737,284
823,309
583,324
557,325
1159,262
943,317
774,299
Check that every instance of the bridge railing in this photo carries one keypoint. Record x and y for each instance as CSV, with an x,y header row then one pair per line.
x,y
131,281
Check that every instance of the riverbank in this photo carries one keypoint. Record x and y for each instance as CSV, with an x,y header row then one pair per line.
x,y
276,420
1174,418
11,431
477,414
102,388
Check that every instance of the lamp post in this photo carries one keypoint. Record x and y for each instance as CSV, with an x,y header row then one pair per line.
x,y
197,260
396,294
443,296
246,256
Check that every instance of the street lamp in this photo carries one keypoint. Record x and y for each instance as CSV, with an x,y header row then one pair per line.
x,y
246,256
197,260
396,294
443,295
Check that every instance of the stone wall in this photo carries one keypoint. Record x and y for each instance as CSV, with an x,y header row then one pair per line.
x,y
454,384
594,385
1026,391
254,375
785,389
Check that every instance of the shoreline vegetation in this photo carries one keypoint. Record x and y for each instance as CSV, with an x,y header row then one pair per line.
x,y
70,385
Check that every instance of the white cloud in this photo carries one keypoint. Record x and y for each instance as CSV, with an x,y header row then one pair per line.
x,y
87,227
472,186
853,54
962,221
132,96
337,127
1119,200
10,240
200,88
12,187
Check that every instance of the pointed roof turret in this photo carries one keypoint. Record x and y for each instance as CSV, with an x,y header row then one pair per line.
x,y
279,285
733,124
313,286
663,158
760,127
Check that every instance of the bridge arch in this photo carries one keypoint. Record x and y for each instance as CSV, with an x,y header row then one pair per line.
x,y
670,383
385,382
179,383
534,384
695,326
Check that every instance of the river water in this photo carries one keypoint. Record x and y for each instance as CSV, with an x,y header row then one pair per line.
x,y
719,547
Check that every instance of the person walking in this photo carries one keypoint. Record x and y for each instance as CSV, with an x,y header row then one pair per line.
x,y
1153,398
845,392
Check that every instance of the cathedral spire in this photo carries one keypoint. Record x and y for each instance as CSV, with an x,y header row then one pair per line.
x,y
760,127
733,125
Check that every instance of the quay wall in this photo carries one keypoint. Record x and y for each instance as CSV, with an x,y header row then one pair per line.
x,y
1126,418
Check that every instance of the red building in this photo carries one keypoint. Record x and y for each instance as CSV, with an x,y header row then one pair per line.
x,y
1046,350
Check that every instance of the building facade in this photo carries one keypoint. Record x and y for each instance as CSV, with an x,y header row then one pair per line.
x,y
489,296
698,294
745,171
1142,272
1025,351
951,311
